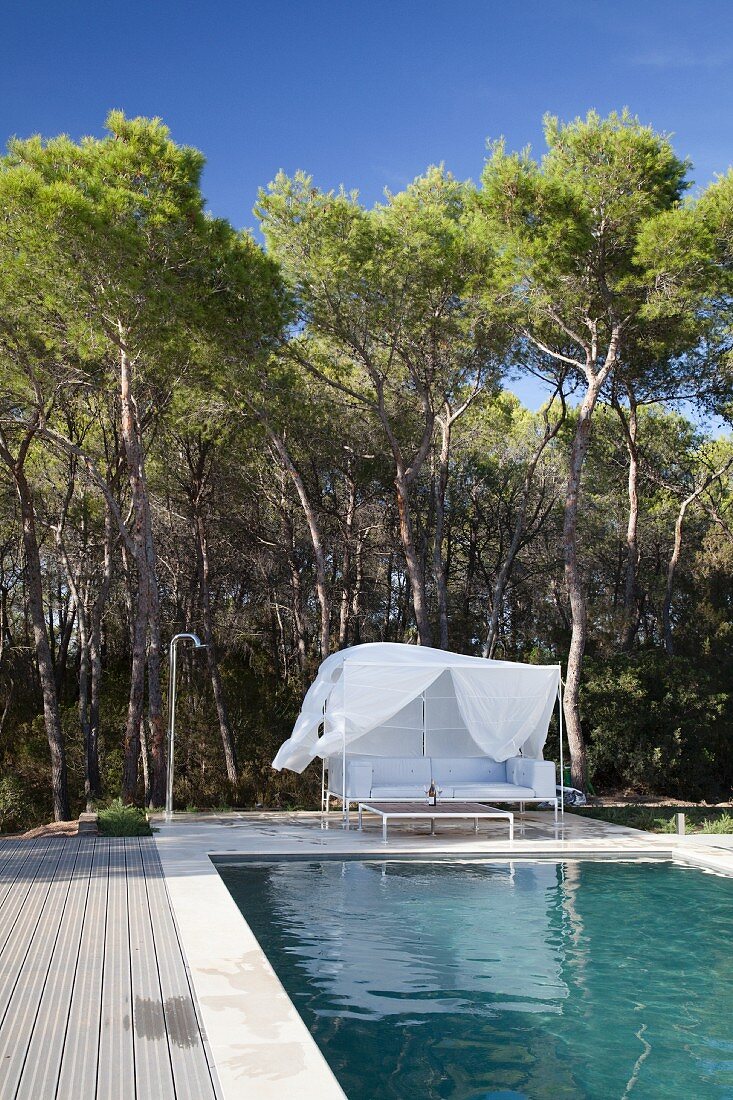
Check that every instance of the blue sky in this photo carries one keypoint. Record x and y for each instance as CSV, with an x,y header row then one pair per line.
x,y
366,92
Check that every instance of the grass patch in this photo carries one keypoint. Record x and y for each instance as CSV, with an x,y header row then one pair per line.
x,y
660,819
118,819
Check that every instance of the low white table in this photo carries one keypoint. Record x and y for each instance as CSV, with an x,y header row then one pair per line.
x,y
411,811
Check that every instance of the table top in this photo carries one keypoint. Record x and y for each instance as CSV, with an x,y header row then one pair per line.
x,y
443,809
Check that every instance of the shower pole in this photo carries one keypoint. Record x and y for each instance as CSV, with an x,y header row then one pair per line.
x,y
562,769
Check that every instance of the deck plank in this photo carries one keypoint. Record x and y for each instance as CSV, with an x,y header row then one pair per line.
x,y
116,1070
39,1075
190,1054
21,916
77,1075
16,881
29,961
12,853
153,1072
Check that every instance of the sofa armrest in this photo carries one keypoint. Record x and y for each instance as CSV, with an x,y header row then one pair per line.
x,y
515,771
537,774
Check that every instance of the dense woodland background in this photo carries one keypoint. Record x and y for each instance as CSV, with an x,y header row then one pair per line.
x,y
311,444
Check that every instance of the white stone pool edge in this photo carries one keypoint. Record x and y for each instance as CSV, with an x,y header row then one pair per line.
x,y
260,1045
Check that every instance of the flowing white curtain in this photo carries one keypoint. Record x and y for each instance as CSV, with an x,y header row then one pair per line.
x,y
371,696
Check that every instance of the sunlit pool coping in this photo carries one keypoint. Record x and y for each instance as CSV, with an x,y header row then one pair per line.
x,y
260,1045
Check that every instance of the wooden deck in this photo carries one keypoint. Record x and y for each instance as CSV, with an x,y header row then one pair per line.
x,y
95,1002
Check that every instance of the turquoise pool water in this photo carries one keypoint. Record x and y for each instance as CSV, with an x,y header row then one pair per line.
x,y
488,980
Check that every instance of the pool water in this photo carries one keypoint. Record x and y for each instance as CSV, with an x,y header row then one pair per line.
x,y
494,980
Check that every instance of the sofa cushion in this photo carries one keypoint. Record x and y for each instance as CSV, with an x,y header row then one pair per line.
x,y
388,793
538,774
401,771
470,769
505,792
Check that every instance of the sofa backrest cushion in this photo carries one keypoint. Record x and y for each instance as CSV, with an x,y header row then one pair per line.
x,y
401,771
470,769
415,771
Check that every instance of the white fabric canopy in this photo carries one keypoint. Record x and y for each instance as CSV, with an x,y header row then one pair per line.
x,y
370,700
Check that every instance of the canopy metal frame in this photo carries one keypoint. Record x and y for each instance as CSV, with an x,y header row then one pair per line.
x,y
345,805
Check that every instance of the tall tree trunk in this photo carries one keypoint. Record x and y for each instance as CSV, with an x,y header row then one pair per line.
x,y
62,653
414,565
346,564
405,475
300,626
631,607
707,481
145,762
95,656
505,569
84,677
34,591
358,581
134,462
282,646
81,598
388,574
520,525
202,554
671,569
315,534
470,572
576,589
135,706
439,569
156,794
144,548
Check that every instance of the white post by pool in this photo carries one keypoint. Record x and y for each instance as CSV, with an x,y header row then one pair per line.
x,y
323,764
562,769
197,644
344,803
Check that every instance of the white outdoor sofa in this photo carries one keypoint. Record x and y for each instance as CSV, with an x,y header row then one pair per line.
x,y
459,779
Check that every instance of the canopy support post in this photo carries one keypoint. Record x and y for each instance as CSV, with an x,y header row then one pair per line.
x,y
343,782
562,767
423,724
323,765
344,803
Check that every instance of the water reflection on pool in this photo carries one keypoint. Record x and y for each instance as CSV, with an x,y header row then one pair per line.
x,y
525,979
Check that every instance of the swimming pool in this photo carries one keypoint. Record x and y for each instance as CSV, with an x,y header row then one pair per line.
x,y
470,980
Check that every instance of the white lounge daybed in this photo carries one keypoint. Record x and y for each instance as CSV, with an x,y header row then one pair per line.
x,y
473,778
388,720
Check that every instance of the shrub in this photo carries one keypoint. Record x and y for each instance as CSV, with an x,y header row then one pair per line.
x,y
722,824
661,819
118,819
15,808
659,725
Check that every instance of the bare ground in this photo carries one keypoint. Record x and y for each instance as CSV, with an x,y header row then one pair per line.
x,y
53,828
633,798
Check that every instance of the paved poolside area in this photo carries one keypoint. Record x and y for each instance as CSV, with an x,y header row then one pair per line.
x,y
95,1000
128,971
261,1047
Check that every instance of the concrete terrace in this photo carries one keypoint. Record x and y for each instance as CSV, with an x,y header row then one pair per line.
x,y
260,1045
128,971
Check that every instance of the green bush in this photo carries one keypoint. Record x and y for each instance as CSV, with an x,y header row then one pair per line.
x,y
722,824
659,725
117,819
15,809
661,819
